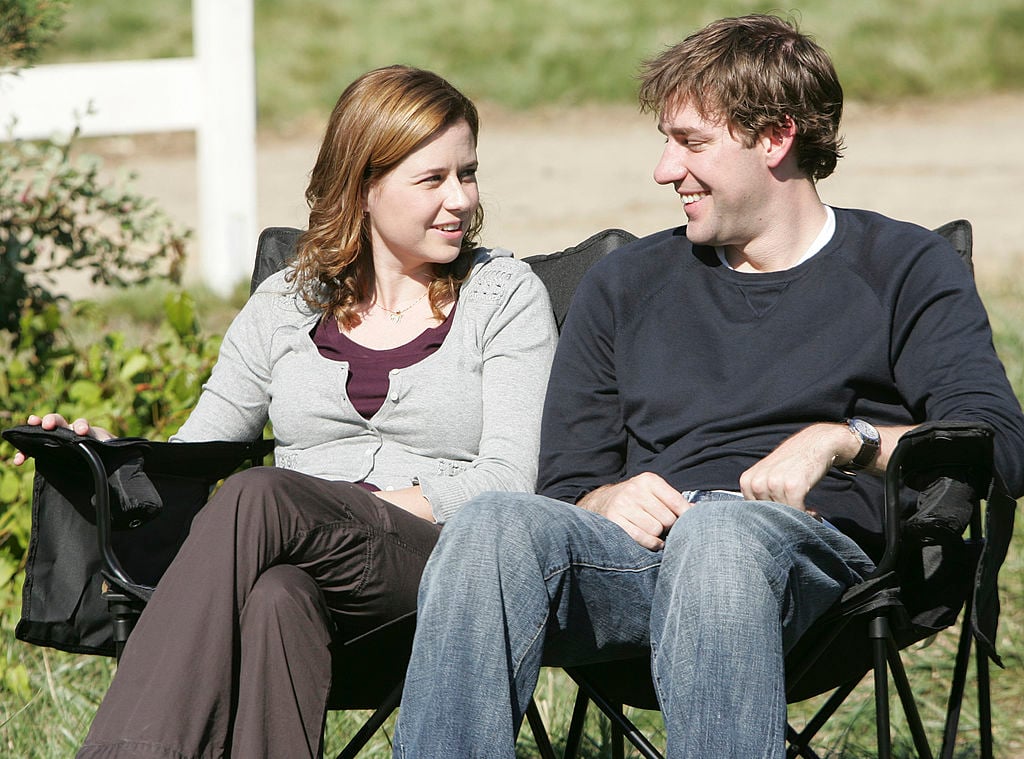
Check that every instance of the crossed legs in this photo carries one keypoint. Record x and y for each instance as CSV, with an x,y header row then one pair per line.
x,y
235,640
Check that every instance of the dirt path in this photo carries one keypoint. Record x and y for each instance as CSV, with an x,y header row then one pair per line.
x,y
550,179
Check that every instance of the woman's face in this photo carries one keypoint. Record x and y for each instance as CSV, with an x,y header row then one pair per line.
x,y
419,212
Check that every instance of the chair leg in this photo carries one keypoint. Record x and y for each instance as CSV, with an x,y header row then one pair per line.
x,y
797,747
984,706
619,720
899,675
957,688
540,733
372,725
579,717
124,613
617,736
800,743
878,631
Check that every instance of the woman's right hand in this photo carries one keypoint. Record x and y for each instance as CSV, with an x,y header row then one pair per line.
x,y
55,421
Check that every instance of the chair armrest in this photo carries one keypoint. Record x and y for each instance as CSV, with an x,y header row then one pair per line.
x,y
89,471
962,451
212,460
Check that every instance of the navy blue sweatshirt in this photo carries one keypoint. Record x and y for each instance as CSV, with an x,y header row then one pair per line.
x,y
670,362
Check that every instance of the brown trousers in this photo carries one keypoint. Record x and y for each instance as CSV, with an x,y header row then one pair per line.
x,y
232,655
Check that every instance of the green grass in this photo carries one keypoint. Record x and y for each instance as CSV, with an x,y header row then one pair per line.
x,y
526,53
52,720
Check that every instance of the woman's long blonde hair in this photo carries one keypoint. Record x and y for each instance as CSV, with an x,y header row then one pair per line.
x,y
380,119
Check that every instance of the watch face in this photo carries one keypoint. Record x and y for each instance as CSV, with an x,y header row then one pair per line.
x,y
864,429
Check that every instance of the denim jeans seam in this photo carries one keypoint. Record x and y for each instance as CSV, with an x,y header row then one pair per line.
x,y
658,691
552,572
516,665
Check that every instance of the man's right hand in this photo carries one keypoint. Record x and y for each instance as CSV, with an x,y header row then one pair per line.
x,y
55,421
645,506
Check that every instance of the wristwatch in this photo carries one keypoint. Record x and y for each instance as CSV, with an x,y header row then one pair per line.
x,y
870,442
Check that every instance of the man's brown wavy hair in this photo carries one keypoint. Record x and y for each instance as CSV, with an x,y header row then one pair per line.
x,y
380,119
754,72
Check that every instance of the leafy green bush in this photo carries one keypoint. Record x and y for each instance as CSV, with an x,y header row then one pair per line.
x,y
145,390
59,214
26,27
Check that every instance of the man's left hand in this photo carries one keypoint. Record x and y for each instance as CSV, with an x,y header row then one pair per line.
x,y
788,473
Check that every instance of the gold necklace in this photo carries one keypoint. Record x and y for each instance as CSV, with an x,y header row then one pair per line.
x,y
396,315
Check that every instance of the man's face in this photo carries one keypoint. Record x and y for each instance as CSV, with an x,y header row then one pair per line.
x,y
722,183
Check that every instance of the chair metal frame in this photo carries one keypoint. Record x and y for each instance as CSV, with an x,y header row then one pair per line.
x,y
561,272
880,604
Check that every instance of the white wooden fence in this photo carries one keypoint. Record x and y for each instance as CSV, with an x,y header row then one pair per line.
x,y
212,93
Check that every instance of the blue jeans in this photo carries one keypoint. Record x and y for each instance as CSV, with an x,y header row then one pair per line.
x,y
519,580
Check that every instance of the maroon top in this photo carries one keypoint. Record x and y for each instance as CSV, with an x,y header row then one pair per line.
x,y
368,369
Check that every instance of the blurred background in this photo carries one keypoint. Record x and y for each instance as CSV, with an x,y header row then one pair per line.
x,y
528,53
931,86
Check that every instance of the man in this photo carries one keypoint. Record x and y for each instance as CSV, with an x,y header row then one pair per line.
x,y
723,399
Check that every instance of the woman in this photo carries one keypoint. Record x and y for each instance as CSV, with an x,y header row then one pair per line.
x,y
403,371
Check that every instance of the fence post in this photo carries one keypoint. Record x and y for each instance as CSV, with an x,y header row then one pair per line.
x,y
226,140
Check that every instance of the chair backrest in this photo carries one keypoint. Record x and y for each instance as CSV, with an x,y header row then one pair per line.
x,y
960,235
560,271
274,249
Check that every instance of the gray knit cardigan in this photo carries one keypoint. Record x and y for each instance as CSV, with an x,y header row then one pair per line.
x,y
463,421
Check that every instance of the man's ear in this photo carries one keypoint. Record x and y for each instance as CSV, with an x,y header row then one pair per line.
x,y
778,141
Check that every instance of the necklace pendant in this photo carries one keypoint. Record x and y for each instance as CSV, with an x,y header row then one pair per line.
x,y
395,317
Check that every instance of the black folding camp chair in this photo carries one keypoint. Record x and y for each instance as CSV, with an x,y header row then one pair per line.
x,y
928,574
108,517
